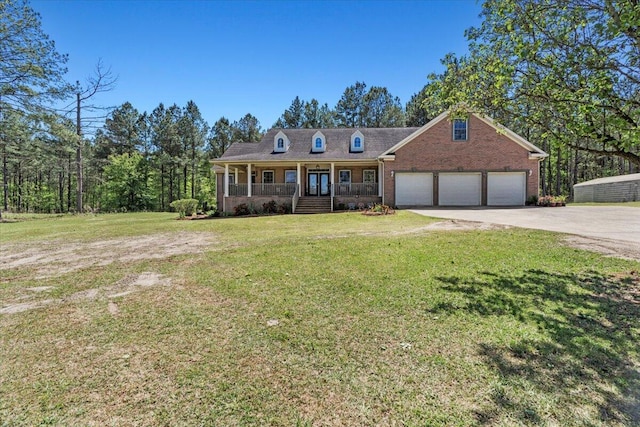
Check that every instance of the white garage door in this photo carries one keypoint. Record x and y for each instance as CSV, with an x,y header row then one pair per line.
x,y
460,189
414,189
506,188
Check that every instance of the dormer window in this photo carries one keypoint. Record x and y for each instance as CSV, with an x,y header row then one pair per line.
x,y
281,143
357,142
318,143
460,129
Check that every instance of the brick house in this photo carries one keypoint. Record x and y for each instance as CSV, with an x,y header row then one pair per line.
x,y
447,162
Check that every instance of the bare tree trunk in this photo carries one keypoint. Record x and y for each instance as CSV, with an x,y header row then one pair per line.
x,y
171,184
184,177
559,171
79,157
162,187
61,189
5,179
69,185
19,187
193,178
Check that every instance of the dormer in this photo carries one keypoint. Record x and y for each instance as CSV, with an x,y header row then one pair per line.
x,y
280,143
318,143
357,142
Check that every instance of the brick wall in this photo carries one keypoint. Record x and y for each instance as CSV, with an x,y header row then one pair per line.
x,y
485,150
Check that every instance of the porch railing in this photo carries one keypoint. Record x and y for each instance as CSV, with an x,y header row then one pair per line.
x,y
237,190
356,189
286,190
294,199
273,189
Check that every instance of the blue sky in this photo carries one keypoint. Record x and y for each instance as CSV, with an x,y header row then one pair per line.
x,y
240,57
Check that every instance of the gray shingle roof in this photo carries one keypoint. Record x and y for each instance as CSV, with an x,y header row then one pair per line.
x,y
376,142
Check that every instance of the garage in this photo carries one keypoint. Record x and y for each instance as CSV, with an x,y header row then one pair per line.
x,y
506,188
414,189
460,189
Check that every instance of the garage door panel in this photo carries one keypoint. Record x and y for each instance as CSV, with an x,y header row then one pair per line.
x,y
506,188
414,189
460,189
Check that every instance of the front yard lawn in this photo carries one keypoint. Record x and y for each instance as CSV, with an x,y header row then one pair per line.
x,y
340,319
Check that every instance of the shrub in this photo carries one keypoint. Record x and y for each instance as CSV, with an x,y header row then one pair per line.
x,y
270,207
379,209
241,209
185,207
284,208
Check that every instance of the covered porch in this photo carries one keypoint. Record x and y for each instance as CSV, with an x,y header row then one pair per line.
x,y
347,185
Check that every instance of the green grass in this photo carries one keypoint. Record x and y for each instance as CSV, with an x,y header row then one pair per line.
x,y
380,321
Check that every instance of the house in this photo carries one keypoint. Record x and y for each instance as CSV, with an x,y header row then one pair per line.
x,y
622,188
470,161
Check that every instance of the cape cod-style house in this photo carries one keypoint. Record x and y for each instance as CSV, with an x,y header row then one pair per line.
x,y
468,161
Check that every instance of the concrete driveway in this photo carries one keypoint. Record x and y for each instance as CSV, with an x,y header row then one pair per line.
x,y
621,224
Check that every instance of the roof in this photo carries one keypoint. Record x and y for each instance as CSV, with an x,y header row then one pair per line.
x,y
376,141
611,179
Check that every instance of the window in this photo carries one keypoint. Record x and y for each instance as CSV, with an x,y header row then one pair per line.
x,y
290,177
281,143
460,129
232,179
357,142
369,176
267,177
345,177
318,142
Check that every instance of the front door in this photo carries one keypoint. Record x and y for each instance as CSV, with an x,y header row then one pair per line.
x,y
318,184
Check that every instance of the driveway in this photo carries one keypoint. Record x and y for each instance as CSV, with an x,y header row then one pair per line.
x,y
608,226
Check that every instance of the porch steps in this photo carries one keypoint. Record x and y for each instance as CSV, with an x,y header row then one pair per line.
x,y
313,205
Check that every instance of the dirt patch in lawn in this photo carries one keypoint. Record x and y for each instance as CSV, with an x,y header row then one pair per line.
x,y
129,284
612,248
52,258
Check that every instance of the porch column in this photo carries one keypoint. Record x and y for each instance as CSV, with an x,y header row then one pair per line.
x,y
299,179
380,178
331,178
248,179
226,180
236,176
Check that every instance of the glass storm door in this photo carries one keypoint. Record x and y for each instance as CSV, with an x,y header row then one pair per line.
x,y
318,184
324,184
313,184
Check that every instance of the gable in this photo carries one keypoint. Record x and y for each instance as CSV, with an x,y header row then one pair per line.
x,y
441,128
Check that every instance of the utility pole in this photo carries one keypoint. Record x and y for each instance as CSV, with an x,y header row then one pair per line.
x,y
79,153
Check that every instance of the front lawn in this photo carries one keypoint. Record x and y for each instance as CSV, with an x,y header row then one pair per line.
x,y
337,319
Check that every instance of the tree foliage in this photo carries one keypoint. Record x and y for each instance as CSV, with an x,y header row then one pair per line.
x,y
573,67
31,69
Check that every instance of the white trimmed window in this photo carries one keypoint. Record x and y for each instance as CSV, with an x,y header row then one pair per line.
x,y
460,129
318,142
280,143
290,177
357,142
267,177
345,176
369,176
